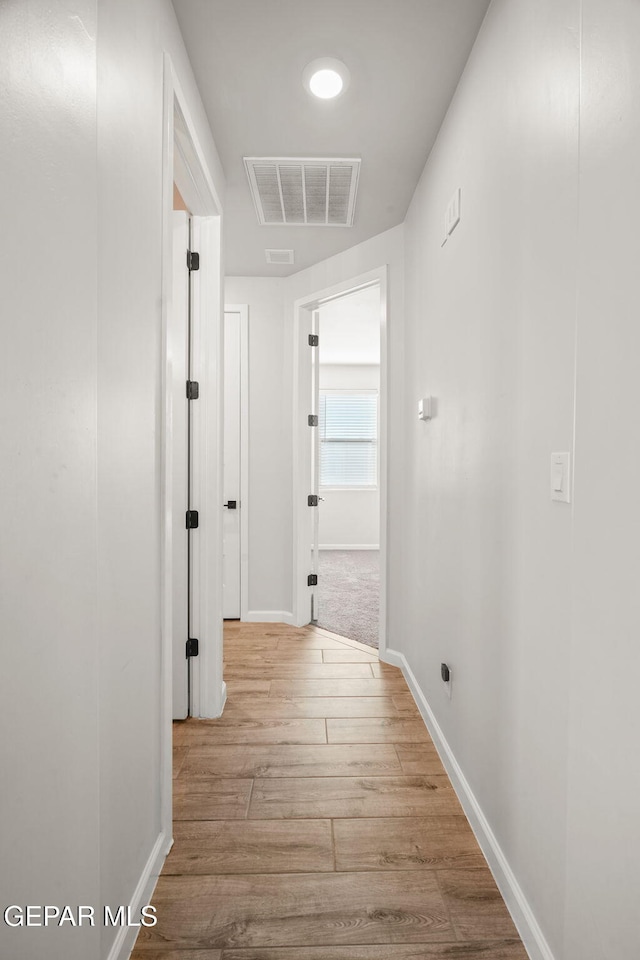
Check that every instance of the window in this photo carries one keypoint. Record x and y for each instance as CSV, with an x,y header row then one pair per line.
x,y
348,426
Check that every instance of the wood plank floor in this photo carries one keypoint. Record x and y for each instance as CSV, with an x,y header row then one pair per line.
x,y
314,820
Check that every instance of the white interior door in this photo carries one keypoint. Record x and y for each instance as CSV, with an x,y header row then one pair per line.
x,y
315,465
231,550
177,345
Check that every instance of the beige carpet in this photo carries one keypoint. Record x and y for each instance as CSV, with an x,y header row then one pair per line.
x,y
349,593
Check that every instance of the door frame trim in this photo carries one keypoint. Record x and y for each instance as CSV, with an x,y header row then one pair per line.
x,y
243,310
184,161
301,469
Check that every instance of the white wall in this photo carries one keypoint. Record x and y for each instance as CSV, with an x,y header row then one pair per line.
x,y
349,518
529,601
350,327
269,455
490,334
49,679
603,879
81,363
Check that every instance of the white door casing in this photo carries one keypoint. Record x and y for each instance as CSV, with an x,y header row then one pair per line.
x,y
232,513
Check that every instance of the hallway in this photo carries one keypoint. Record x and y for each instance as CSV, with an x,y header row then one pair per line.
x,y
314,821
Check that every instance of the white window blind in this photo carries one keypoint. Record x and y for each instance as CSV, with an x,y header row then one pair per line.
x,y
348,426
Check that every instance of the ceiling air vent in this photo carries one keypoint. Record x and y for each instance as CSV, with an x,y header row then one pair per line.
x,y
295,191
279,256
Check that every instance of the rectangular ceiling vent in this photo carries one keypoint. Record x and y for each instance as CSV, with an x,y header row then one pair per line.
x,y
295,191
279,256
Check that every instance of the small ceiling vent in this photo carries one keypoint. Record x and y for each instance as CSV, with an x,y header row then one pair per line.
x,y
279,256
295,191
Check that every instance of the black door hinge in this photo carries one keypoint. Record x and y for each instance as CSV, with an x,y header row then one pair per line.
x,y
193,389
192,647
192,519
312,580
312,500
314,340
313,420
193,260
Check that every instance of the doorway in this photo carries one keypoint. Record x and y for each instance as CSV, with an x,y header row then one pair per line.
x,y
348,515
190,442
192,428
340,459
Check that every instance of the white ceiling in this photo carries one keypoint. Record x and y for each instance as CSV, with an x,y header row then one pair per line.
x,y
405,58
350,328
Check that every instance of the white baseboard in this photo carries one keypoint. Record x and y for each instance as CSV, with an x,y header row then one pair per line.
x,y
269,616
512,893
142,896
349,546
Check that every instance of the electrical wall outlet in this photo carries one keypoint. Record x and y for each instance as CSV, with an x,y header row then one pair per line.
x,y
446,677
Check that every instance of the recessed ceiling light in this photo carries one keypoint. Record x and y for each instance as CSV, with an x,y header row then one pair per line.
x,y
326,78
326,84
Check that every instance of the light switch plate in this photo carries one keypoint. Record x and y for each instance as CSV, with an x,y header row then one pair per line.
x,y
560,479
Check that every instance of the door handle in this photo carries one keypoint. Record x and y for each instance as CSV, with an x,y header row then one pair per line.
x,y
231,505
